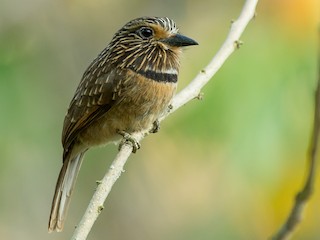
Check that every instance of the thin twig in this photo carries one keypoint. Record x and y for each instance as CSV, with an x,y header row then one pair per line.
x,y
187,94
229,46
305,193
103,189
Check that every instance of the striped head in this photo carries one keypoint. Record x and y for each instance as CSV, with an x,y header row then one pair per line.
x,y
150,46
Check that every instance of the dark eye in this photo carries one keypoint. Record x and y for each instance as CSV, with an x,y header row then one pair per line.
x,y
145,32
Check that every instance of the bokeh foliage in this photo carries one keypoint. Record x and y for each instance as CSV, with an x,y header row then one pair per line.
x,y
226,167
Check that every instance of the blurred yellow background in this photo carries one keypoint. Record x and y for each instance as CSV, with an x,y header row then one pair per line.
x,y
226,167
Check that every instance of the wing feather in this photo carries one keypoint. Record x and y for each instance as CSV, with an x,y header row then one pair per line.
x,y
94,96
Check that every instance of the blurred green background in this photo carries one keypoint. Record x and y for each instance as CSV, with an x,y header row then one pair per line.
x,y
226,167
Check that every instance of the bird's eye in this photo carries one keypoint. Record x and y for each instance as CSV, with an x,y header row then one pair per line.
x,y
145,32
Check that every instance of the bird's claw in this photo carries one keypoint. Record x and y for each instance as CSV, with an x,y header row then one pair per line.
x,y
129,139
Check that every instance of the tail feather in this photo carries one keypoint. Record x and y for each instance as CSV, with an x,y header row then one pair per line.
x,y
62,196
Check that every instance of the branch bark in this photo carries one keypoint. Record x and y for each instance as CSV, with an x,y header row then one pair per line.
x,y
231,43
305,193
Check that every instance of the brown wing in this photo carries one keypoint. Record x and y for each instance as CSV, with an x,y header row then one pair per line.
x,y
94,96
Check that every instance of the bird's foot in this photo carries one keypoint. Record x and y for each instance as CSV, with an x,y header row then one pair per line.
x,y
129,139
156,127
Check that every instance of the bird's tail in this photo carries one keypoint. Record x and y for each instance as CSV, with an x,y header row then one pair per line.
x,y
62,196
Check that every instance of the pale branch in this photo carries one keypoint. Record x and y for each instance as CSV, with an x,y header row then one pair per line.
x,y
305,193
190,92
103,189
231,43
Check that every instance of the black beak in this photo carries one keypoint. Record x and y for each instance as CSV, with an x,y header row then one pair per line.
x,y
179,40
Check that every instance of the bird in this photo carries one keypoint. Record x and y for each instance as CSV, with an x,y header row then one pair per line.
x,y
126,88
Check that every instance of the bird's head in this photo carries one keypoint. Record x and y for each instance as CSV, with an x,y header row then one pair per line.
x,y
148,44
